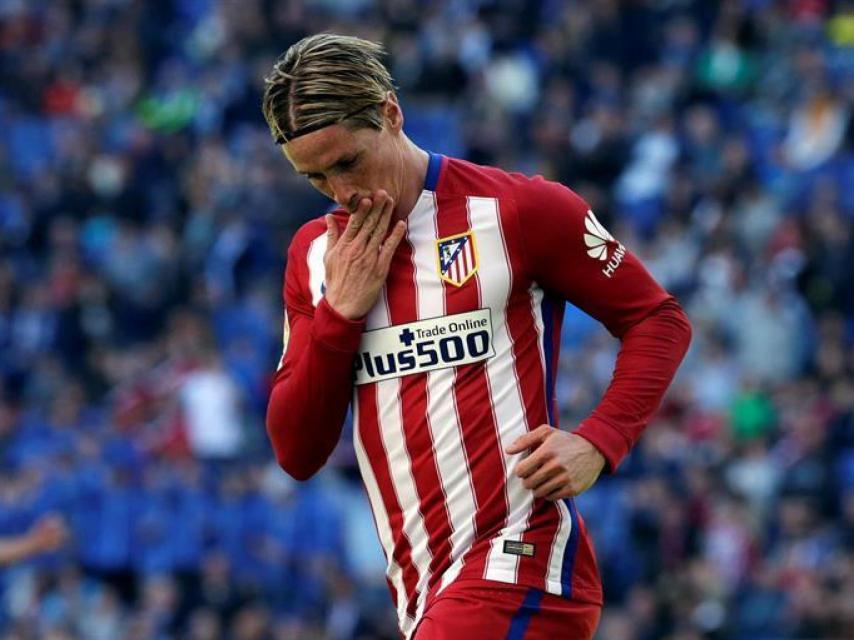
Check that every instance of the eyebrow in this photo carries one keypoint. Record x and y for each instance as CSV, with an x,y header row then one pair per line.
x,y
342,160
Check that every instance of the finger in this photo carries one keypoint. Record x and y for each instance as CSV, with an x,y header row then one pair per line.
x,y
557,486
357,219
380,230
565,490
373,217
530,464
390,245
542,474
530,439
332,233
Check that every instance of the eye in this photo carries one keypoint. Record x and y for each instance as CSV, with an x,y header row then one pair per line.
x,y
346,165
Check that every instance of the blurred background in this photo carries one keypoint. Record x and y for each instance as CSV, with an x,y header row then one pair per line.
x,y
144,217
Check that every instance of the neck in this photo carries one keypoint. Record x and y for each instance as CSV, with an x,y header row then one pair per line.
x,y
412,174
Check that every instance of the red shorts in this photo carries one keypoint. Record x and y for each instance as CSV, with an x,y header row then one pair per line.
x,y
487,610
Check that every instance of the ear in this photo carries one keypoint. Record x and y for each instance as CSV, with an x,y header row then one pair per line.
x,y
392,112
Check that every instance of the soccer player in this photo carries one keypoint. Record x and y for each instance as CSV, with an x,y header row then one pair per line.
x,y
431,303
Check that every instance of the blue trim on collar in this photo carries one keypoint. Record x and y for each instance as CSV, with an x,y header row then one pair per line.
x,y
433,168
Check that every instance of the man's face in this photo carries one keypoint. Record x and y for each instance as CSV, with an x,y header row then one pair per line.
x,y
346,164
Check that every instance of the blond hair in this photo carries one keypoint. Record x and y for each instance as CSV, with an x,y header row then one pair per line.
x,y
323,80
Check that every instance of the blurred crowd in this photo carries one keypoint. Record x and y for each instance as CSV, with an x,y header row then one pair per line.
x,y
144,216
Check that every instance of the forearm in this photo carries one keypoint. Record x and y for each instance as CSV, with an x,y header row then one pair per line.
x,y
15,549
310,396
650,354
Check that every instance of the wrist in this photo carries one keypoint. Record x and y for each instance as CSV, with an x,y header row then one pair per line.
x,y
346,311
609,441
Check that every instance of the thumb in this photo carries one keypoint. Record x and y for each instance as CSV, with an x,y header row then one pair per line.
x,y
529,439
332,232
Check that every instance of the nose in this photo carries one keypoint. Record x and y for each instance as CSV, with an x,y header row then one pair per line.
x,y
342,192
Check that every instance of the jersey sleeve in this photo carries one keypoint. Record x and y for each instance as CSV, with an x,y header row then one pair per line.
x,y
313,384
572,256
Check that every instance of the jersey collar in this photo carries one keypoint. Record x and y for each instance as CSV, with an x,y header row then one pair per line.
x,y
434,168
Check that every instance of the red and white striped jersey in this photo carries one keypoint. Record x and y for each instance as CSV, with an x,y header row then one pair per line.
x,y
455,361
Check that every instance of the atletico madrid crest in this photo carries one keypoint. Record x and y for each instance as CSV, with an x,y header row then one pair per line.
x,y
457,258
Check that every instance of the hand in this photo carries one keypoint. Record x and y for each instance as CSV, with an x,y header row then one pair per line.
x,y
48,533
357,261
561,464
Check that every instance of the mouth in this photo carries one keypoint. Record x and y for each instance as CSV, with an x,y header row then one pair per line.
x,y
352,204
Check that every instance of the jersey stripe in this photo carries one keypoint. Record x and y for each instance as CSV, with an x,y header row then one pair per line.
x,y
417,427
566,540
536,296
571,549
550,524
495,283
397,445
316,269
430,506
381,433
456,532
481,444
549,315
541,520
564,525
394,572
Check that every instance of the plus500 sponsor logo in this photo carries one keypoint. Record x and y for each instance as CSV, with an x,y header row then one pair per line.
x,y
426,345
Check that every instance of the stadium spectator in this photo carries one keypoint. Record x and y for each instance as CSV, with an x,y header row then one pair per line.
x,y
45,535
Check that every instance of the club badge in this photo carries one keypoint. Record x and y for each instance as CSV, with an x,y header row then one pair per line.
x,y
457,258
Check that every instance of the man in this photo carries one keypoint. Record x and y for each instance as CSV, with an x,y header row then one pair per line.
x,y
431,302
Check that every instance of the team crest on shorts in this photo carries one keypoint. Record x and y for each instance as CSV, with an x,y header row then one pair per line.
x,y
457,258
